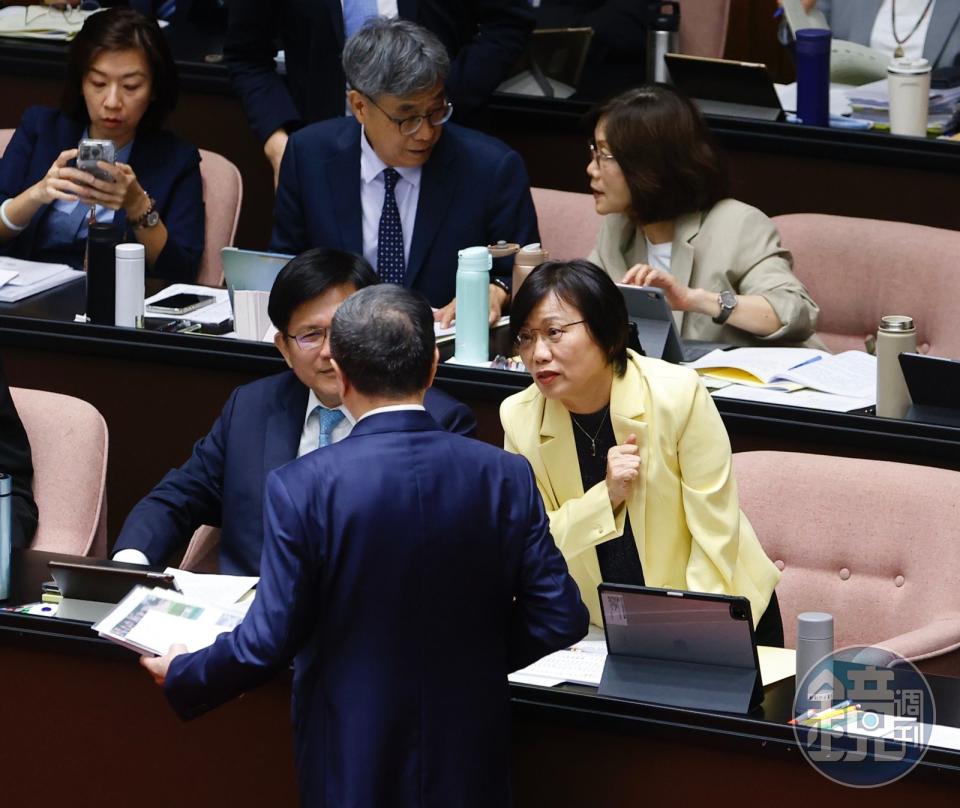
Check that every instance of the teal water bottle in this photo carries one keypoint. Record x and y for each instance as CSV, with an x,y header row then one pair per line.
x,y
472,341
6,530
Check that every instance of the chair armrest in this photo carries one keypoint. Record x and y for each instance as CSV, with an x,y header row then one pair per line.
x,y
203,542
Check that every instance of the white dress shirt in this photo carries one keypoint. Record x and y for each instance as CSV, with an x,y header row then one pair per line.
x,y
310,436
407,193
392,408
908,12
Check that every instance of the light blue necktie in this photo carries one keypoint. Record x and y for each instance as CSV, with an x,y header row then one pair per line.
x,y
329,420
355,14
391,266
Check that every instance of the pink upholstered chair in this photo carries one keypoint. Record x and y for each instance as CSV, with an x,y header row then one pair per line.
x,y
861,269
68,440
202,553
703,27
568,223
5,135
872,542
222,195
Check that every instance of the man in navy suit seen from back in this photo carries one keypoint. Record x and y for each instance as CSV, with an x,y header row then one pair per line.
x,y
395,181
265,424
405,571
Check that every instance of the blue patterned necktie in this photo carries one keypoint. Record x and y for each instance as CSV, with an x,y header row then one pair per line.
x,y
329,420
355,14
391,266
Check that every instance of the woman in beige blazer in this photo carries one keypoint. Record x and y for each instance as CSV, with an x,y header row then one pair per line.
x,y
630,455
657,180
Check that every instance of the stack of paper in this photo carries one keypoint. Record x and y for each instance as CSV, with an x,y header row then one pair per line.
x,y
40,22
151,620
20,279
800,377
872,102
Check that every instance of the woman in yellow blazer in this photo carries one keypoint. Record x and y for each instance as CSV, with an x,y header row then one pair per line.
x,y
657,180
630,455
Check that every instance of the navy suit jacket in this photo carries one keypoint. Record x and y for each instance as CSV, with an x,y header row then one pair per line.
x,y
223,481
167,168
474,191
483,37
407,571
15,460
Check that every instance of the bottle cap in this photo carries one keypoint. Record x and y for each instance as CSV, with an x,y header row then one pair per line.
x,y
814,626
129,252
531,255
896,322
908,66
474,259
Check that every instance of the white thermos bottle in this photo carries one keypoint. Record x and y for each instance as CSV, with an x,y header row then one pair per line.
x,y
895,336
130,269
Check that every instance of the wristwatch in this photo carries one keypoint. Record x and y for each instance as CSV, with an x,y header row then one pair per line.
x,y
502,284
148,219
728,302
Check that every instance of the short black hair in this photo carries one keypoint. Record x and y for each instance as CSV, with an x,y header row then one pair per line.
x,y
665,150
118,29
382,338
587,288
309,275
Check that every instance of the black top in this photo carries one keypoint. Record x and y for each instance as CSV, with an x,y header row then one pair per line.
x,y
16,461
619,558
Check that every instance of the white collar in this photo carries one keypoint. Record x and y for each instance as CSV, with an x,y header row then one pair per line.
x,y
371,166
313,402
392,408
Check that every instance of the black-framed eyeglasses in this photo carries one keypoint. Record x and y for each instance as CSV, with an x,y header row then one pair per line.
x,y
411,125
527,337
310,341
599,157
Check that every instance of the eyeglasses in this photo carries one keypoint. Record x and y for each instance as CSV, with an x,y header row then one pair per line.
x,y
600,158
411,125
310,341
527,338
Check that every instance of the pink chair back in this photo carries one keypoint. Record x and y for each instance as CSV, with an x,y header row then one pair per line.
x,y
861,269
68,440
203,552
703,27
222,195
5,135
568,223
873,543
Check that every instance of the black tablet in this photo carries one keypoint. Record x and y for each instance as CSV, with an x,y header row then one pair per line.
x,y
104,582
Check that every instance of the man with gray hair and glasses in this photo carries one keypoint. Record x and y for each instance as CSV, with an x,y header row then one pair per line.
x,y
396,182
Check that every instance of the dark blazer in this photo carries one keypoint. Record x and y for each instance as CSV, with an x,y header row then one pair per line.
x,y
483,37
15,460
167,168
222,483
474,190
407,571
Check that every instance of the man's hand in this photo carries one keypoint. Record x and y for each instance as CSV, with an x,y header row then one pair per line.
x,y
274,148
157,667
623,470
498,298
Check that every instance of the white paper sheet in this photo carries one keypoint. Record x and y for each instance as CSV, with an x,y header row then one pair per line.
x,y
800,398
218,590
851,373
216,312
764,363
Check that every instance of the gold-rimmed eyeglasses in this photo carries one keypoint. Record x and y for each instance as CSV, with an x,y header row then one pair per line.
x,y
600,157
410,126
527,337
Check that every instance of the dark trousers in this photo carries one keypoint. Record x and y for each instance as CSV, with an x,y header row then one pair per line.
x,y
769,630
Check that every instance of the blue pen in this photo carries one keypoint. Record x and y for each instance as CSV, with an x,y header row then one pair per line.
x,y
778,12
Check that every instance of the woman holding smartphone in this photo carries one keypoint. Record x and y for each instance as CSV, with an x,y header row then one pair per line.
x,y
668,222
121,83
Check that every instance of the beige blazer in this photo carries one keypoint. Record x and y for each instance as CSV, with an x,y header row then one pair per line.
x,y
684,510
731,246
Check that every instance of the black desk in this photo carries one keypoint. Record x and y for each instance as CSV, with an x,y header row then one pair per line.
x,y
82,718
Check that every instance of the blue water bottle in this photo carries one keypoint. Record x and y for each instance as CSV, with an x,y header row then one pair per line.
x,y
6,531
472,341
812,55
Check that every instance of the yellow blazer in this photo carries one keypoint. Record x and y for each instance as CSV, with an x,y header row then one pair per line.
x,y
684,510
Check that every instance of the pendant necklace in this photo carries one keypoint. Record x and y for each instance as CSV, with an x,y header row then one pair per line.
x,y
592,438
898,51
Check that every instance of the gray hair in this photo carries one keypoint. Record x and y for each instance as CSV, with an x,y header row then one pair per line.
x,y
394,57
383,340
